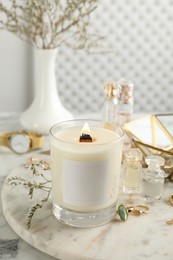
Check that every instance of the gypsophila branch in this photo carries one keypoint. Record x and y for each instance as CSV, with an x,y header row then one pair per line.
x,y
48,24
44,184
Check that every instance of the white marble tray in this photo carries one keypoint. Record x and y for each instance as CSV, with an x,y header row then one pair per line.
x,y
137,238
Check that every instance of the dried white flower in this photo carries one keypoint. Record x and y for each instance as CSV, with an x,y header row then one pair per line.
x,y
48,24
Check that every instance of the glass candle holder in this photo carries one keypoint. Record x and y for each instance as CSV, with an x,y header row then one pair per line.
x,y
85,175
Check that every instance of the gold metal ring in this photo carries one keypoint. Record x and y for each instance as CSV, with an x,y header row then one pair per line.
x,y
169,222
142,208
137,210
130,209
171,199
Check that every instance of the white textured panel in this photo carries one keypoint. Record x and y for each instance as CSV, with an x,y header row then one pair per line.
x,y
141,34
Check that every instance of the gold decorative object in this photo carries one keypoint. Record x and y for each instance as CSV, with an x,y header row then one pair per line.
x,y
169,222
171,199
138,210
153,134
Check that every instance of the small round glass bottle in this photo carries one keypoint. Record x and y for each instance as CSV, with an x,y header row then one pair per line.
x,y
132,171
153,178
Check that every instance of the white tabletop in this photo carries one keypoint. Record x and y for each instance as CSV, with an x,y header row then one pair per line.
x,y
147,236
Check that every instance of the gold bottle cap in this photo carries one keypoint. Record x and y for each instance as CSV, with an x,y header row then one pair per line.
x,y
111,89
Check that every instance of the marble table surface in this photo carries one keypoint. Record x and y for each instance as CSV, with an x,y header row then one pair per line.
x,y
11,245
146,236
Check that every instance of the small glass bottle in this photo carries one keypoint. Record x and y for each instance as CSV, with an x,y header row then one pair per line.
x,y
125,108
153,178
125,101
110,106
132,171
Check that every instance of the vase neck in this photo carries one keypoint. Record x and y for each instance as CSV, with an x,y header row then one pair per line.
x,y
44,70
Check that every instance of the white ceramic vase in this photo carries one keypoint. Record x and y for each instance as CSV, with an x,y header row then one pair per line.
x,y
46,109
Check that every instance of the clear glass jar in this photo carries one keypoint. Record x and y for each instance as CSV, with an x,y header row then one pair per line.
x,y
153,178
132,171
110,105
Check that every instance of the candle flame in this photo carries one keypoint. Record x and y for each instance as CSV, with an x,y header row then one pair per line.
x,y
86,130
86,134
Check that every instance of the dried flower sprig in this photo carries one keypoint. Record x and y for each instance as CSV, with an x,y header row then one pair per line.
x,y
48,24
34,165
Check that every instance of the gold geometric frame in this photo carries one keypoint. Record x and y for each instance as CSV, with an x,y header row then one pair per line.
x,y
164,128
156,129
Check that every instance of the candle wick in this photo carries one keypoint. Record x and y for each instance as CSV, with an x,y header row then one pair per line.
x,y
85,138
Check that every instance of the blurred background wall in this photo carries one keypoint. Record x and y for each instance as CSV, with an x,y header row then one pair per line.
x,y
139,34
15,73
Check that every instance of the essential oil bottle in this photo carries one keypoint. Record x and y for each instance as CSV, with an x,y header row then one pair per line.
x,y
110,105
125,101
153,178
132,171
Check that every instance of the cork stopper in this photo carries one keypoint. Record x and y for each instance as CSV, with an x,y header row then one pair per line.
x,y
126,91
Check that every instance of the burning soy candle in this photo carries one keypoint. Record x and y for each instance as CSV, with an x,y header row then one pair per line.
x,y
86,171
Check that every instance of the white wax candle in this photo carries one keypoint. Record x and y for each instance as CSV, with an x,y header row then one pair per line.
x,y
85,175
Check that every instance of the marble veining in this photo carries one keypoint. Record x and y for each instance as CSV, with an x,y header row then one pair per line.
x,y
137,238
8,247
